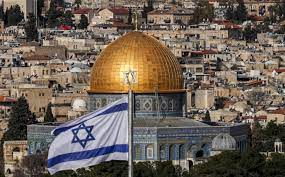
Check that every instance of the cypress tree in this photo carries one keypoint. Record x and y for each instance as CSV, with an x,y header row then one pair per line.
x,y
20,117
31,29
207,117
130,16
52,16
49,116
83,24
241,13
14,15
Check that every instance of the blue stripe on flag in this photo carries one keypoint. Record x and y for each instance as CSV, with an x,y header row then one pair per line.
x,y
122,148
113,109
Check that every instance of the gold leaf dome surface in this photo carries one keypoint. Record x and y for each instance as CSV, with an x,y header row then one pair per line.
x,y
156,68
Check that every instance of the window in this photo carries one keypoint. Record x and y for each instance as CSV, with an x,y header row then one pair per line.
x,y
149,152
162,152
137,152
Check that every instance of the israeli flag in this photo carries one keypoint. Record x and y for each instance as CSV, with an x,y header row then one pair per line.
x,y
91,139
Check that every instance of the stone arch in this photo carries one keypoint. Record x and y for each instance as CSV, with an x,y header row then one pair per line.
x,y
8,171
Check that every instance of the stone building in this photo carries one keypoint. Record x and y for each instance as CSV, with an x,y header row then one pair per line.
x,y
38,96
204,98
13,152
161,129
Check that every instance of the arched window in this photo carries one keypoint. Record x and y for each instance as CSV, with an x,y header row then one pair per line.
x,y
172,152
149,151
199,154
182,152
137,152
162,152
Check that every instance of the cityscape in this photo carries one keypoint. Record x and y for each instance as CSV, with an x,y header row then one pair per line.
x,y
204,82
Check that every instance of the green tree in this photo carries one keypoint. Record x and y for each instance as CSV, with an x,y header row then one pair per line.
x,y
14,15
130,16
67,18
31,28
275,166
78,3
147,9
252,163
49,116
241,12
207,117
52,20
230,15
20,117
249,33
32,166
40,6
2,14
203,11
83,23
257,137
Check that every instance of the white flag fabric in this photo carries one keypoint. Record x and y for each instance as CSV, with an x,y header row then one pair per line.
x,y
91,139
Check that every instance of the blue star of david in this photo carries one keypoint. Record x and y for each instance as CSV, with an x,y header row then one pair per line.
x,y
89,136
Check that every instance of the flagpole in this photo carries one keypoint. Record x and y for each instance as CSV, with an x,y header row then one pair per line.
x,y
130,132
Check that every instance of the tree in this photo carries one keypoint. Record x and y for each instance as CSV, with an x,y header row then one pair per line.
x,y
230,13
20,117
52,16
31,28
207,117
130,16
83,24
257,137
67,18
78,3
220,102
2,14
49,116
249,33
40,6
32,166
203,11
14,15
241,12
147,9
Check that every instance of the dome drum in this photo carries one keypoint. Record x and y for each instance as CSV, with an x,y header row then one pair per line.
x,y
145,105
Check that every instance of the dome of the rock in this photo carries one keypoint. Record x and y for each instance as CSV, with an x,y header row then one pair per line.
x,y
155,68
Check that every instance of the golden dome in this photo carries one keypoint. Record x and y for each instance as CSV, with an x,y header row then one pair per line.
x,y
155,67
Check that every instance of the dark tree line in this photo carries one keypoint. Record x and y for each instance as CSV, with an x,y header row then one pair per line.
x,y
12,16
227,164
263,138
20,117
238,14
203,12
